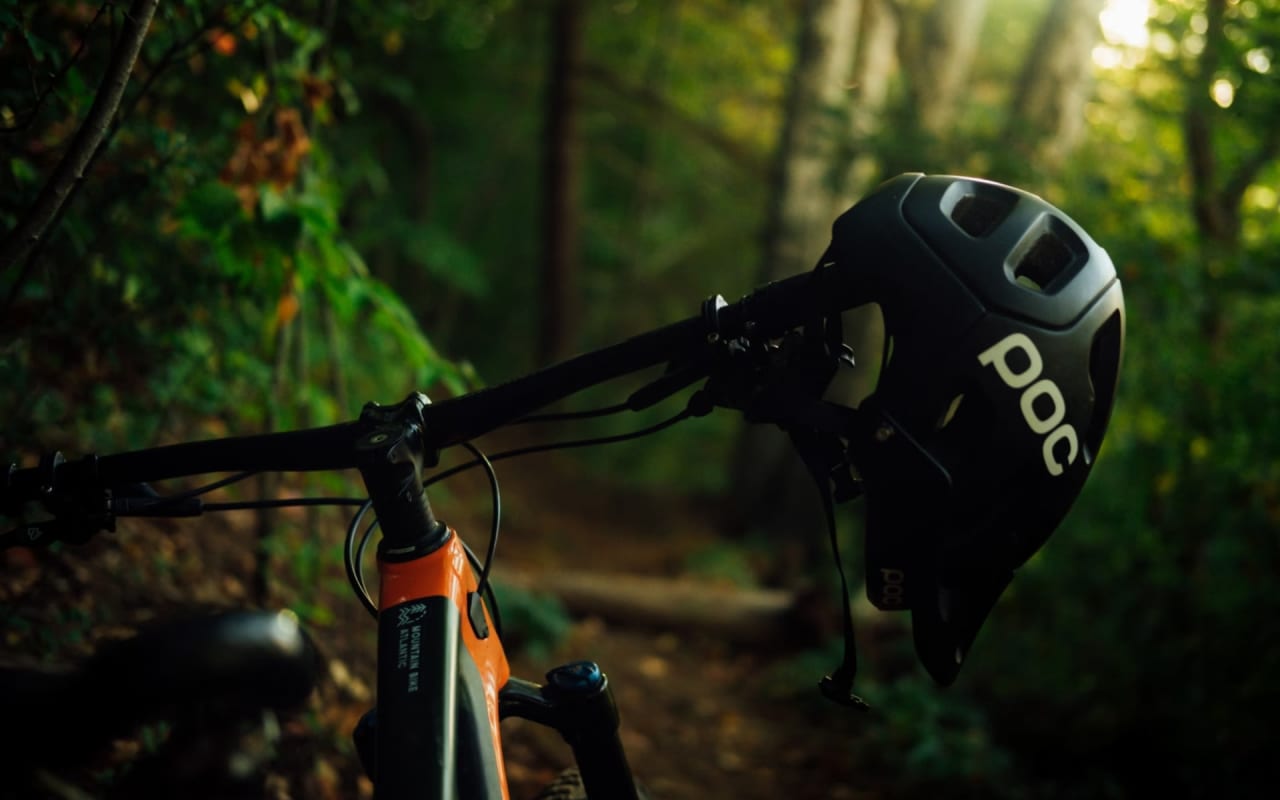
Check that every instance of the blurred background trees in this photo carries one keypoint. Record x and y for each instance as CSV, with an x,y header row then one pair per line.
x,y
300,206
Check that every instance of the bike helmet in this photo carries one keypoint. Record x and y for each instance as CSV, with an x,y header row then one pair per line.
x,y
1004,325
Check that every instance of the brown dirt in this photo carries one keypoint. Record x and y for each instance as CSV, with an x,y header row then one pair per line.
x,y
701,718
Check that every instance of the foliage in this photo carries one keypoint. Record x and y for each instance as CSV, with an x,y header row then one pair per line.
x,y
937,742
204,267
939,739
1158,594
291,210
533,623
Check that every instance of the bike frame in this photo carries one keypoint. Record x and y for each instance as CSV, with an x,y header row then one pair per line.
x,y
444,683
438,681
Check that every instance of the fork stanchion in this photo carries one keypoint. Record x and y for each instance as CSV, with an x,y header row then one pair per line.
x,y
578,703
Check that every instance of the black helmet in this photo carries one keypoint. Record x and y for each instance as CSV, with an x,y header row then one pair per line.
x,y
1004,324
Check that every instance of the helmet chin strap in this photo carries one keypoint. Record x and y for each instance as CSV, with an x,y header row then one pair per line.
x,y
825,458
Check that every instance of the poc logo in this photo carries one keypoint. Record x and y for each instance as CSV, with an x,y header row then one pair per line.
x,y
891,593
997,356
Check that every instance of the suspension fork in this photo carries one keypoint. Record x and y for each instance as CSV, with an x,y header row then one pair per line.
x,y
578,703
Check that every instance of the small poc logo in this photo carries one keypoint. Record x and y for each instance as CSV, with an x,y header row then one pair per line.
x,y
893,589
1051,425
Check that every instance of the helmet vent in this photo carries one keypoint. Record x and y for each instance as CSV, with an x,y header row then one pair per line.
x,y
977,208
1043,266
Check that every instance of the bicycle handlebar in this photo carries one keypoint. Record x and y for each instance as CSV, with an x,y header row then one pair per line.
x,y
767,312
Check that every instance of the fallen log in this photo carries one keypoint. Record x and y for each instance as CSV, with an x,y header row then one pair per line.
x,y
741,615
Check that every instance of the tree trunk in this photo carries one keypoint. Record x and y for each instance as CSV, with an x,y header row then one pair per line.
x,y
773,491
1046,118
874,66
558,326
876,60
804,173
939,58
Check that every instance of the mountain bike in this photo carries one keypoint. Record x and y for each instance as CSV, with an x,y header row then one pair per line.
x,y
1004,330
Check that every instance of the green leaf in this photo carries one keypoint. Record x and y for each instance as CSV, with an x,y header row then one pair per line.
x,y
210,211
273,204
22,171
318,216
354,260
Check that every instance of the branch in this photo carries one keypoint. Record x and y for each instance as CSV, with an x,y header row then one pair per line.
x,y
69,172
195,43
42,96
1242,178
654,103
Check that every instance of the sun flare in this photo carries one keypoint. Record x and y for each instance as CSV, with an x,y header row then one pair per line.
x,y
1124,22
1124,32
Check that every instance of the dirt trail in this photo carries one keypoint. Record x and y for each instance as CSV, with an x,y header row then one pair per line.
x,y
700,718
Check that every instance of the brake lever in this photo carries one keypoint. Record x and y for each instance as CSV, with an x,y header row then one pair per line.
x,y
65,513
28,535
71,522
42,533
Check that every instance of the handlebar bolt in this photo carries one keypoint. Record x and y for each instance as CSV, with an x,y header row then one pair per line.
x,y
378,438
884,433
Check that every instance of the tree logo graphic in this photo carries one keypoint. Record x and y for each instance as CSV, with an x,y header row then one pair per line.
x,y
411,614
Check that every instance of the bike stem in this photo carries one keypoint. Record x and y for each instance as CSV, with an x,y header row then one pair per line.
x,y
391,457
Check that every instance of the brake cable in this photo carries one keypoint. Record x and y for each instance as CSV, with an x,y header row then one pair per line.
x,y
482,582
353,555
686,413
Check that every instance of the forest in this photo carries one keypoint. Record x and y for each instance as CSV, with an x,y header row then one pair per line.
x,y
238,216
